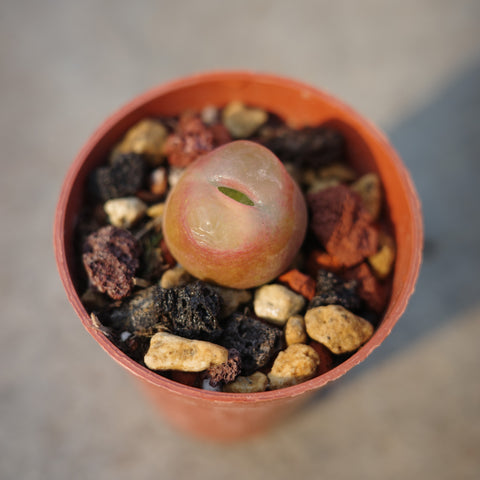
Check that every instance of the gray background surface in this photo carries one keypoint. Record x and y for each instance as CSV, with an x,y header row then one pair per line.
x,y
412,410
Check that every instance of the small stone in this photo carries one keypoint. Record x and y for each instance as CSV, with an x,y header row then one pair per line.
x,y
292,366
322,184
157,210
147,138
226,372
338,171
337,328
192,310
295,330
321,260
242,121
334,290
175,277
369,288
370,190
171,352
276,303
256,341
137,314
191,139
299,282
209,115
159,181
342,225
325,356
256,382
174,175
328,176
111,257
125,212
231,299
123,177
308,147
382,262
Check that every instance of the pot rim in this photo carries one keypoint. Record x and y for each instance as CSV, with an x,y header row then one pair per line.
x,y
390,316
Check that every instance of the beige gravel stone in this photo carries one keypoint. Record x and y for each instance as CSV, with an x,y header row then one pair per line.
x,y
277,303
370,190
156,210
175,277
321,184
174,175
159,181
147,138
242,121
382,262
338,171
292,366
257,382
171,352
125,212
337,328
295,330
232,299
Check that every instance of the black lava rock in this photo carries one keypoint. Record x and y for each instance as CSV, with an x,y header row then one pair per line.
x,y
192,311
333,290
305,147
256,341
138,314
124,177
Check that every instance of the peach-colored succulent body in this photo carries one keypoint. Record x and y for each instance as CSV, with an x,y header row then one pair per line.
x,y
220,239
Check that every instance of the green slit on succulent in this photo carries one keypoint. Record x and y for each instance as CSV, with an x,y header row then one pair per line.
x,y
236,195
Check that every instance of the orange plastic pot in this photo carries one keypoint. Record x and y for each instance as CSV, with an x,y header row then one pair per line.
x,y
224,416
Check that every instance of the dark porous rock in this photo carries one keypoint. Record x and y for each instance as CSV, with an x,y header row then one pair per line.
x,y
307,147
256,341
192,311
124,177
111,257
226,372
334,290
139,313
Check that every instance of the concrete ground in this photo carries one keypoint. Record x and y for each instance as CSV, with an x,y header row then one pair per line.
x,y
412,410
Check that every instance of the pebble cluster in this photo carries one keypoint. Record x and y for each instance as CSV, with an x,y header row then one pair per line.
x,y
305,322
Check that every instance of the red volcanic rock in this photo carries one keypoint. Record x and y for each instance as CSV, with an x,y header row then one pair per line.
x,y
342,225
373,292
326,361
299,283
190,140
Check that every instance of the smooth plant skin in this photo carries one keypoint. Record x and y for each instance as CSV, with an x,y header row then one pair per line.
x,y
229,241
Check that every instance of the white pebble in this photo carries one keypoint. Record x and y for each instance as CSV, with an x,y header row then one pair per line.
x,y
125,212
277,303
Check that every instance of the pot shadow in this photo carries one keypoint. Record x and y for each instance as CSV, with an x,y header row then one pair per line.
x,y
440,145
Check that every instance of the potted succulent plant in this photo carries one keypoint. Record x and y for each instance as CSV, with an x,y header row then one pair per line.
x,y
224,415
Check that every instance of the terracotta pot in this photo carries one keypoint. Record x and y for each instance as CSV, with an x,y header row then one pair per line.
x,y
224,416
